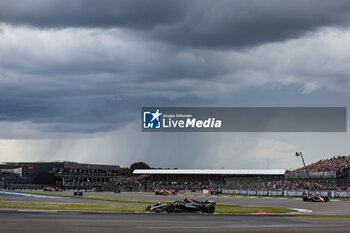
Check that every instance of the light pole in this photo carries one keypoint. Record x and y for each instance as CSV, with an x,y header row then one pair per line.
x,y
302,158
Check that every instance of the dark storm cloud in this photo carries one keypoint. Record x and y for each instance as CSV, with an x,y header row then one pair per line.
x,y
223,24
89,66
226,24
77,110
89,80
91,13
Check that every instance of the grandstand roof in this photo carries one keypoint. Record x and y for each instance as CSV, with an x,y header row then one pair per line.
x,y
210,171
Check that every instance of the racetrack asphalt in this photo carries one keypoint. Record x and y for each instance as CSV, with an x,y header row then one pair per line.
x,y
86,222
332,207
65,221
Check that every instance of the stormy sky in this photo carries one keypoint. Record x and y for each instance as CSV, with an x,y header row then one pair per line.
x,y
74,75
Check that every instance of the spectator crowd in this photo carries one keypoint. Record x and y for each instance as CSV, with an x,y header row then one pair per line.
x,y
337,163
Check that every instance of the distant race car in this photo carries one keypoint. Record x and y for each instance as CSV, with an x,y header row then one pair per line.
x,y
164,192
186,205
315,198
51,189
48,189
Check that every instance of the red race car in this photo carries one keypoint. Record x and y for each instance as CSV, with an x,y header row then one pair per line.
x,y
315,198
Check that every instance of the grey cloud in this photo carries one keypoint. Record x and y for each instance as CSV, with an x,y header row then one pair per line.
x,y
74,75
204,24
91,13
237,24
77,110
88,80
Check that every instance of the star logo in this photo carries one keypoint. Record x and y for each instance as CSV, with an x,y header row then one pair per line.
x,y
156,115
151,119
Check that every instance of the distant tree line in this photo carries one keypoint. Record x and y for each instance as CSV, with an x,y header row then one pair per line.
x,y
126,171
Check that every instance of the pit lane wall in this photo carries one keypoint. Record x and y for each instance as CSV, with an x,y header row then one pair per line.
x,y
288,193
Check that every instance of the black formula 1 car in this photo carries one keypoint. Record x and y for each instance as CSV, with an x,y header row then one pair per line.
x,y
186,205
315,198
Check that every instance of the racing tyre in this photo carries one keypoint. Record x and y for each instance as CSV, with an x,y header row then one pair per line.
x,y
210,208
170,208
148,208
326,199
305,198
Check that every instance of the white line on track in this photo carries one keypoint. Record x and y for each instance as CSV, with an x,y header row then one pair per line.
x,y
302,210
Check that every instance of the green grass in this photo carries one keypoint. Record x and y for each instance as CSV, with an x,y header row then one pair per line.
x,y
116,199
71,206
220,208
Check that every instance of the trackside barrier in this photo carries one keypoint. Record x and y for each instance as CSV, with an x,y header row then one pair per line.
x,y
262,193
293,193
252,193
244,192
278,193
288,193
341,194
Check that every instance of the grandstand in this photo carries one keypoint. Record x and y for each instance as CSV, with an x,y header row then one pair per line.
x,y
66,175
197,179
337,164
11,175
327,174
332,173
